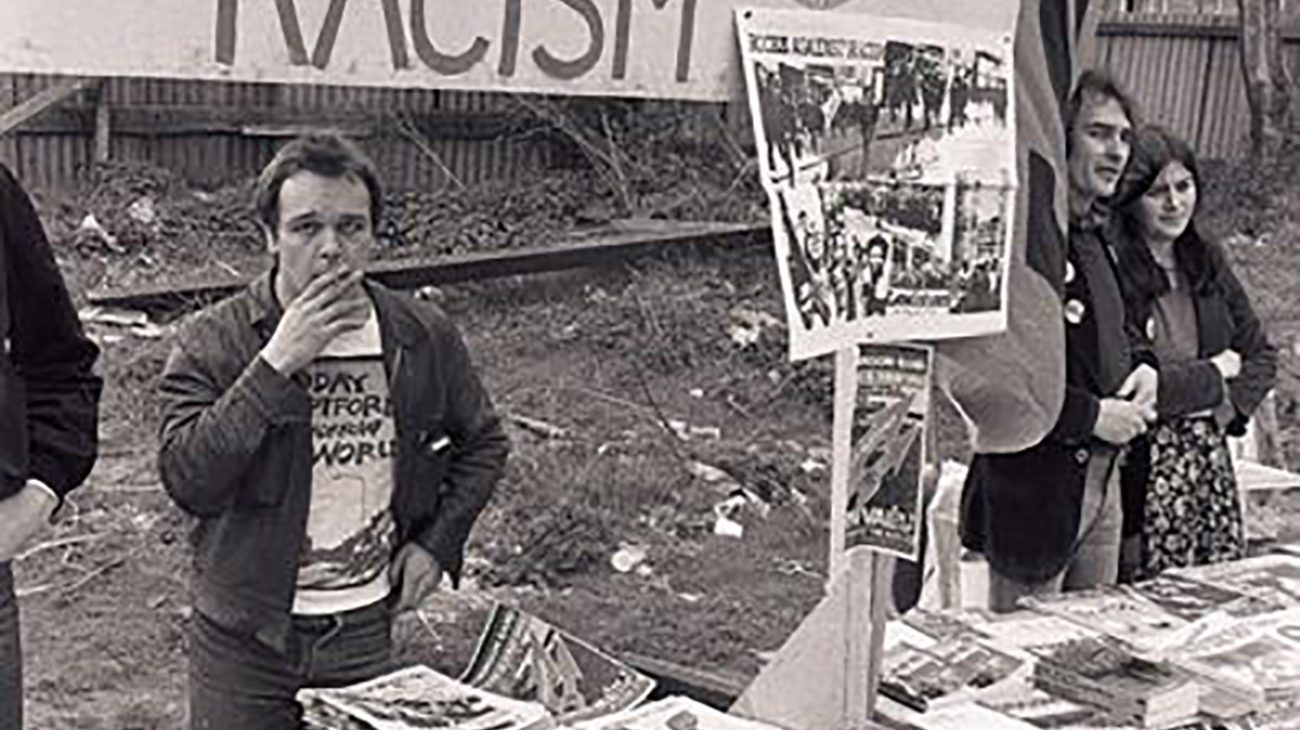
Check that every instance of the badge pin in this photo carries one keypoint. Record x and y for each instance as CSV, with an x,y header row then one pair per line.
x,y
1151,328
1074,311
1069,272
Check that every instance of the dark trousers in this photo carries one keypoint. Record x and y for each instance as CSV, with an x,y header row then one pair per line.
x,y
240,683
11,654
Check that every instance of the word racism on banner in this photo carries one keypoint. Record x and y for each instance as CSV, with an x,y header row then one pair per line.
x,y
647,48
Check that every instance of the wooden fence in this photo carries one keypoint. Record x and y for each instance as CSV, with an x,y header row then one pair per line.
x,y
213,132
1185,72
1184,69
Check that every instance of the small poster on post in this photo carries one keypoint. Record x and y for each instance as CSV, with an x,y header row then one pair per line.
x,y
885,507
887,148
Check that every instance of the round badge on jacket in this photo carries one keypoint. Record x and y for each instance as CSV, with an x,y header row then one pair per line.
x,y
1074,311
1069,272
1151,328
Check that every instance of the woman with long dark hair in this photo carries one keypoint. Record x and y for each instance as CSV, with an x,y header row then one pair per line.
x,y
1180,492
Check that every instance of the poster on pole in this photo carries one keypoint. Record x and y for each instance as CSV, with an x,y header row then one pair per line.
x,y
887,148
891,410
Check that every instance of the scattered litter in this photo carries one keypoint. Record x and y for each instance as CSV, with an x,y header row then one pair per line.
x,y
820,453
538,427
627,557
90,228
727,527
748,326
774,376
686,432
789,566
143,211
697,392
690,597
724,513
134,322
812,466
707,472
645,571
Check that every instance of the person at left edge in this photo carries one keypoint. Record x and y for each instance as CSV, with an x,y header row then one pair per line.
x,y
49,398
335,443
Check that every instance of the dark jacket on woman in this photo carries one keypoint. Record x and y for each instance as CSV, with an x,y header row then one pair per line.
x,y
236,450
1224,320
49,386
1022,509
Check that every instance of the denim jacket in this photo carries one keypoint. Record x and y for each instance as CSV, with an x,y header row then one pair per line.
x,y
236,450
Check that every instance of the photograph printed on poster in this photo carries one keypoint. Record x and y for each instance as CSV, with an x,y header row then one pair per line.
x,y
888,151
887,448
890,262
881,101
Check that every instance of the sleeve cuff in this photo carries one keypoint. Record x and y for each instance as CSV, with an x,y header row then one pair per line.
x,y
55,499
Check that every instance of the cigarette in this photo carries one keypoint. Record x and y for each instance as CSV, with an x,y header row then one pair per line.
x,y
439,444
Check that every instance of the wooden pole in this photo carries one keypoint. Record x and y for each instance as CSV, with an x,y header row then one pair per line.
x,y
103,118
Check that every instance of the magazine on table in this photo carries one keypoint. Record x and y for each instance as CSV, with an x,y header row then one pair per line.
x,y
1103,673
521,656
419,698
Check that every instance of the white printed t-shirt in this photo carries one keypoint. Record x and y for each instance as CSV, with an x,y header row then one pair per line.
x,y
345,556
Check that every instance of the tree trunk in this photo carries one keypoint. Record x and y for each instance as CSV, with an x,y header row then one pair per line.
x,y
1268,87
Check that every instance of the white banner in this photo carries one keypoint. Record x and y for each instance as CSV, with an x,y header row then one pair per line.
x,y
645,48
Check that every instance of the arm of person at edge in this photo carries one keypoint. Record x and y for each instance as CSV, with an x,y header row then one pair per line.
x,y
56,362
210,435
479,449
1258,355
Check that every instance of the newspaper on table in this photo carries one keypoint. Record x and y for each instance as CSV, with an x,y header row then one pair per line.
x,y
1118,613
521,656
1193,600
885,508
887,148
1256,658
1271,578
418,698
672,713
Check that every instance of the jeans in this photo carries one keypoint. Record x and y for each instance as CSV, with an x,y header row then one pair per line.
x,y
11,654
1096,557
239,683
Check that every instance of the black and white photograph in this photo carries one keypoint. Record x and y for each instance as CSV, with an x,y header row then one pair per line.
x,y
862,104
649,364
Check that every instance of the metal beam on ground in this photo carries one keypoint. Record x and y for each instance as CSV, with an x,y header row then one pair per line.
x,y
412,272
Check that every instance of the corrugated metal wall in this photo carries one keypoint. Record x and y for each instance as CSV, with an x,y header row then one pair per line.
x,y
1185,72
46,158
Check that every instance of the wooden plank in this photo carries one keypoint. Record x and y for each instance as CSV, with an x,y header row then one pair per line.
x,y
712,688
413,272
41,101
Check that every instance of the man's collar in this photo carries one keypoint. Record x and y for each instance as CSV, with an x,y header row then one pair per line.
x,y
1096,217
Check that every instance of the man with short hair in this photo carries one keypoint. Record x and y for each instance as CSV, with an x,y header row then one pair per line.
x,y
1048,518
335,443
49,397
